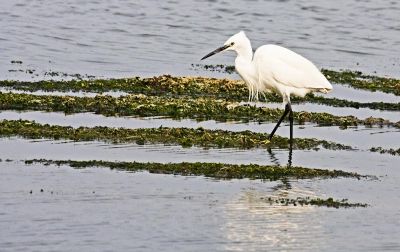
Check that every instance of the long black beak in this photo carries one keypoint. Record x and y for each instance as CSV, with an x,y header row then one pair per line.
x,y
215,51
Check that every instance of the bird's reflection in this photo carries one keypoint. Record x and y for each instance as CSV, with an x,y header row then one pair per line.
x,y
289,164
252,224
285,182
275,160
284,186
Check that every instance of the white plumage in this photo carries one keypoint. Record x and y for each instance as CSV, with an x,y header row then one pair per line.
x,y
287,72
276,69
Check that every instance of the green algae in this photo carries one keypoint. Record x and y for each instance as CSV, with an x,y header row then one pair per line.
x,y
199,109
214,170
390,151
335,102
165,85
359,80
307,201
184,137
355,79
229,69
169,86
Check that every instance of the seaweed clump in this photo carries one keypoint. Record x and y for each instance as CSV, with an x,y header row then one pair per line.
x,y
390,151
356,79
307,201
200,109
215,170
185,137
170,86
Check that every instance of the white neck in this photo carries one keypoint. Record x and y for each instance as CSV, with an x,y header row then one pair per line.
x,y
246,69
245,51
243,62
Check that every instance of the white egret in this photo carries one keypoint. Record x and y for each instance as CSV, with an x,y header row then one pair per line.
x,y
276,69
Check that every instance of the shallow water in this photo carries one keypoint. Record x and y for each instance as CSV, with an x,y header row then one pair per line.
x,y
367,162
124,38
112,210
80,209
105,210
358,95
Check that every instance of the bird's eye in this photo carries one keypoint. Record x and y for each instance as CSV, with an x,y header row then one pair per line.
x,y
232,43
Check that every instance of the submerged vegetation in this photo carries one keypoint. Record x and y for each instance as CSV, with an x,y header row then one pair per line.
x,y
200,109
359,80
307,201
215,170
184,137
381,150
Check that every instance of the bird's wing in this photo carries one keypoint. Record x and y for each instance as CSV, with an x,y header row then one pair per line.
x,y
291,69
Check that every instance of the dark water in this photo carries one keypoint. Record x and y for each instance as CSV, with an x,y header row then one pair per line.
x,y
124,38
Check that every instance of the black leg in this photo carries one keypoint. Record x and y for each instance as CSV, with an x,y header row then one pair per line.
x,y
272,157
291,125
287,109
291,138
290,155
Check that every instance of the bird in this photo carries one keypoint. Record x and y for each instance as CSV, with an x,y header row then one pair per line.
x,y
273,68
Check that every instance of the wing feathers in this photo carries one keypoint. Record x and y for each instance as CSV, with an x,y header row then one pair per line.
x,y
289,68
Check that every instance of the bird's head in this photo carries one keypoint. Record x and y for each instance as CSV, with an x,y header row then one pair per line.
x,y
234,43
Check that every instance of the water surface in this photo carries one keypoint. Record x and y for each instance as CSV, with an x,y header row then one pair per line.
x,y
111,210
105,210
145,38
